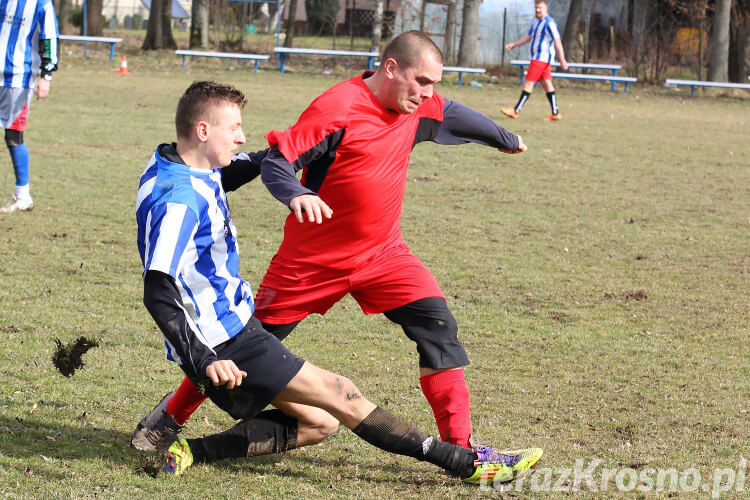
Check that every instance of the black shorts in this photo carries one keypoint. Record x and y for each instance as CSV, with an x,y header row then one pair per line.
x,y
269,366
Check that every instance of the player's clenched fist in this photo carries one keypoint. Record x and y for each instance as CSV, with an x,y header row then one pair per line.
x,y
315,208
224,371
521,147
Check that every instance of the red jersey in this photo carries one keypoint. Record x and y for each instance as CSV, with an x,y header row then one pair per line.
x,y
355,155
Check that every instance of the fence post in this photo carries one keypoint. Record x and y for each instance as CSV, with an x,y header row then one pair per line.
x,y
502,46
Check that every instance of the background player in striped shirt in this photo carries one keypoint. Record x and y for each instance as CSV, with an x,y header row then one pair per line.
x,y
193,290
343,236
545,40
28,42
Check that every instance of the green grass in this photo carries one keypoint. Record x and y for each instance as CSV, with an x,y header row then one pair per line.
x,y
541,255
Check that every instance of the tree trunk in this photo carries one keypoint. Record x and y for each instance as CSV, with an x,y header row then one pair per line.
x,y
199,24
159,28
291,20
61,8
467,52
570,36
739,41
377,26
719,58
94,24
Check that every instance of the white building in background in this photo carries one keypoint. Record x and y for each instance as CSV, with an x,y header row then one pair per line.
x,y
122,8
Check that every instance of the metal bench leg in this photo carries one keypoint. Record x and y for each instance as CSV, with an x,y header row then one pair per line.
x,y
183,61
84,49
255,69
281,62
112,51
692,90
614,73
521,75
370,63
459,77
626,86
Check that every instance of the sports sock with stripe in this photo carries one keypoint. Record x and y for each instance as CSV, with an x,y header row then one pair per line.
x,y
521,101
552,97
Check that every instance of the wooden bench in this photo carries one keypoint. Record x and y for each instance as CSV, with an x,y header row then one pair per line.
x,y
599,78
698,83
457,69
281,52
93,39
614,68
223,55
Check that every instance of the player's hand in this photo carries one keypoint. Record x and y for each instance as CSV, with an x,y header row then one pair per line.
x,y
564,65
315,209
41,89
224,371
510,47
521,147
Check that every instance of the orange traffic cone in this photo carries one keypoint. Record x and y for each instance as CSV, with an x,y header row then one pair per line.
x,y
124,67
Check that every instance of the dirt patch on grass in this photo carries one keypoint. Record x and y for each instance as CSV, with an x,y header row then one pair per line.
x,y
67,358
9,329
636,295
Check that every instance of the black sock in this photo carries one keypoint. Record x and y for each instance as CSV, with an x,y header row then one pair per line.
x,y
388,432
521,101
552,97
270,432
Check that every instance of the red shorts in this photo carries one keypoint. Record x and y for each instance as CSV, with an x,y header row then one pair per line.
x,y
19,124
393,278
538,70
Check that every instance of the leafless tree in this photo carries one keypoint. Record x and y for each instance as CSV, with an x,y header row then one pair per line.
x,y
94,23
377,25
199,24
718,63
467,51
159,29
570,34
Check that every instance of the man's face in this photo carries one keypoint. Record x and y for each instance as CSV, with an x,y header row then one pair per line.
x,y
410,86
540,10
224,135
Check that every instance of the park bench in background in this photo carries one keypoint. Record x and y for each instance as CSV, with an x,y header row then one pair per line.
x,y
281,52
698,83
223,55
599,78
614,68
93,39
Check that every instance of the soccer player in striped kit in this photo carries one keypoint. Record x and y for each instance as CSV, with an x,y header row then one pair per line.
x,y
353,144
545,42
28,41
193,290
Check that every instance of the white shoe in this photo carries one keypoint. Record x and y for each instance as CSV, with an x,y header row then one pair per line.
x,y
17,206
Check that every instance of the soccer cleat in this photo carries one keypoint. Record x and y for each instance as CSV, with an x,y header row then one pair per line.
x,y
552,118
509,112
17,206
177,458
501,466
157,429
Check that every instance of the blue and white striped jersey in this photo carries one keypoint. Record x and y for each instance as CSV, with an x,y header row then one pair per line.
x,y
185,230
28,27
543,33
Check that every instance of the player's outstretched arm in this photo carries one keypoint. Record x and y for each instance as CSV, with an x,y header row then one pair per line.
x,y
462,125
521,41
244,168
279,177
310,207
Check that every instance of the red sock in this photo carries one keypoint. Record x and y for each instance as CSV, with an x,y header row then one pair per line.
x,y
448,396
185,401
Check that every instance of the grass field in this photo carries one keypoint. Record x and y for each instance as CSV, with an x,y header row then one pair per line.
x,y
600,282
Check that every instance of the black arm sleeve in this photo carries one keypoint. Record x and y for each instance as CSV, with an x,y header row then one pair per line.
x,y
462,125
244,168
279,177
48,59
162,299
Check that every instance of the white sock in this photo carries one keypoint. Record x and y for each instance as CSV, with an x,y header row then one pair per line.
x,y
22,193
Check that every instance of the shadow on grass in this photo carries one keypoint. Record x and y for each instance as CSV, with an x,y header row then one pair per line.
x,y
30,438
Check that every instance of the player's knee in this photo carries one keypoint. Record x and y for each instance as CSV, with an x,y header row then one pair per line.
x,y
13,137
346,394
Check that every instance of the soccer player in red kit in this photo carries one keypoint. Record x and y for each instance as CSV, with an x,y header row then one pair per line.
x,y
344,237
